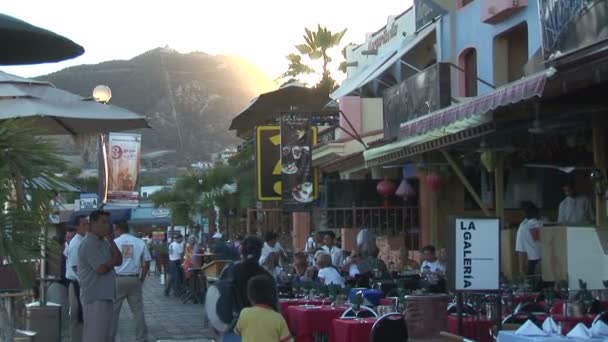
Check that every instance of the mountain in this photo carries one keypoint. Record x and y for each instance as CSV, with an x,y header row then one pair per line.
x,y
189,99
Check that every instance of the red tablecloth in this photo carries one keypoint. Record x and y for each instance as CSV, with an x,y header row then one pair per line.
x,y
474,328
386,301
285,303
304,321
349,330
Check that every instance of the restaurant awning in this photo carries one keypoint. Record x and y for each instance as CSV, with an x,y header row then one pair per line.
x,y
351,84
405,48
458,122
380,64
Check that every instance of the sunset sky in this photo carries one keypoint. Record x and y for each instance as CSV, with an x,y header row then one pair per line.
x,y
262,31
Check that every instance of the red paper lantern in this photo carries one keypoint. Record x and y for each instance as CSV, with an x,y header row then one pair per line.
x,y
386,188
433,180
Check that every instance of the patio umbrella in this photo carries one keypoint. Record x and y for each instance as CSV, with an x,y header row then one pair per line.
x,y
58,111
24,43
266,106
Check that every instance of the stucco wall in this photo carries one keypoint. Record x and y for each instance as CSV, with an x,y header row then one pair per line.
x,y
470,32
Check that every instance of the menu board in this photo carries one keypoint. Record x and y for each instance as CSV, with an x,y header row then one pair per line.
x,y
296,162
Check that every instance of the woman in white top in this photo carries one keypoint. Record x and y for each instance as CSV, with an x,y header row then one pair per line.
x,y
350,265
328,274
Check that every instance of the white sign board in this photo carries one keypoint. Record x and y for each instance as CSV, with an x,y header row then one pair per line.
x,y
477,259
88,201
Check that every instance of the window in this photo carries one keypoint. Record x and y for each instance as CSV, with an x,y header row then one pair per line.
x,y
469,64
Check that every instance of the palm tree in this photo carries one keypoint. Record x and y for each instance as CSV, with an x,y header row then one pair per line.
x,y
317,45
24,156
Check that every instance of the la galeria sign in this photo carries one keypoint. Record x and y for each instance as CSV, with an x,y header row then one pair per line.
x,y
477,261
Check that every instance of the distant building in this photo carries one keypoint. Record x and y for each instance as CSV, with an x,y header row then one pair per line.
x,y
224,156
146,191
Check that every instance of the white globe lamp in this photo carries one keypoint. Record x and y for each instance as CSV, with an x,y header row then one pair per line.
x,y
102,93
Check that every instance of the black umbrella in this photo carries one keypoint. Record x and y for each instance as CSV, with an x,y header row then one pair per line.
x,y
23,43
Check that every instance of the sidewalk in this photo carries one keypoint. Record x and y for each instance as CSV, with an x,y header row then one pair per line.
x,y
167,318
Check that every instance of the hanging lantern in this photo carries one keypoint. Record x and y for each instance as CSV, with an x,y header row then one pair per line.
x,y
386,188
433,180
405,189
488,159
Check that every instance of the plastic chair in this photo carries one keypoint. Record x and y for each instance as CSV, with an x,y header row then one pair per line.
x,y
388,328
529,308
366,312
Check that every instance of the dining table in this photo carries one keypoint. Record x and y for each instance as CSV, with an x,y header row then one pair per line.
x,y
287,302
307,321
351,330
473,327
511,336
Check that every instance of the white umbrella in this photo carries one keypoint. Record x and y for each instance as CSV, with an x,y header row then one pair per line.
x,y
58,111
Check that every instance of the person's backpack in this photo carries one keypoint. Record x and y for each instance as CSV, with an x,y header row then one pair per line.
x,y
222,304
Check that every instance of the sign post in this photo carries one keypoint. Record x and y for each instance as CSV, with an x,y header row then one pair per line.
x,y
474,257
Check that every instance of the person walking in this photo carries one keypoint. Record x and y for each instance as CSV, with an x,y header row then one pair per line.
x,y
71,273
176,253
97,257
130,276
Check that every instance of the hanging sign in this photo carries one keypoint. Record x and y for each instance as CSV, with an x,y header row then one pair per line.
x,y
269,176
123,156
89,201
475,254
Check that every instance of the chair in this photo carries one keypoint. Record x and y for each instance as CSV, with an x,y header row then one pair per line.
x,y
505,326
529,308
601,317
520,319
366,312
467,310
388,328
213,269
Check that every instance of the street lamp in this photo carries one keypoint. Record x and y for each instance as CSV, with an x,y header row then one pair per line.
x,y
102,94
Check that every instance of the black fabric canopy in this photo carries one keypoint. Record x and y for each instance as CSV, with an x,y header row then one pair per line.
x,y
23,43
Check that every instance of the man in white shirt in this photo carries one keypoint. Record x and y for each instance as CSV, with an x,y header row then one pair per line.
x,y
575,208
271,246
314,242
130,276
176,253
337,258
431,263
71,273
527,242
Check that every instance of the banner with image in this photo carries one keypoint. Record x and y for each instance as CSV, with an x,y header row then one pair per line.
x,y
296,163
123,168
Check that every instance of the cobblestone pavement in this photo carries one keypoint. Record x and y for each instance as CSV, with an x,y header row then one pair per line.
x,y
167,318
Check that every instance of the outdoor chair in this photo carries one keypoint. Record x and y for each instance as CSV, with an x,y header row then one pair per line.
x,y
467,309
601,317
388,328
505,326
366,312
529,308
213,269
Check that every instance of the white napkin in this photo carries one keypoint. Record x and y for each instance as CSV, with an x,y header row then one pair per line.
x,y
580,331
550,327
530,329
599,329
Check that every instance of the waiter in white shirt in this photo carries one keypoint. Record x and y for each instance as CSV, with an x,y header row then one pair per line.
x,y
527,242
130,276
575,208
272,246
71,273
337,257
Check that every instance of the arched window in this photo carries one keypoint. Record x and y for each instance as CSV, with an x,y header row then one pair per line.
x,y
468,61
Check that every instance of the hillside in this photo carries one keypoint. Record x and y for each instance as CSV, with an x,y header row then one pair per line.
x,y
189,99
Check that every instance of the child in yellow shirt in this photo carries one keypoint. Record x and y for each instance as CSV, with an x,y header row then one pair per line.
x,y
260,323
